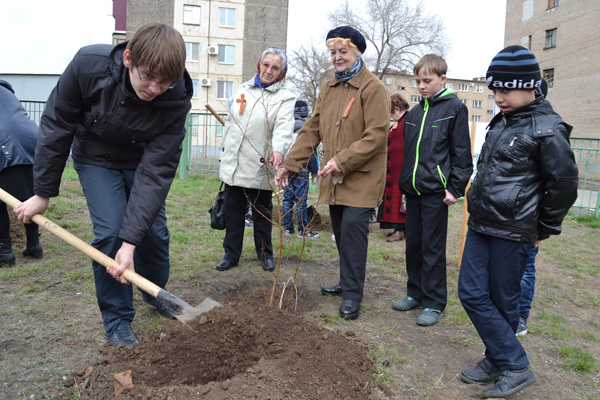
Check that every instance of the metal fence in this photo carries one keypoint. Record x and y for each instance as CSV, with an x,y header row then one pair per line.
x,y
202,144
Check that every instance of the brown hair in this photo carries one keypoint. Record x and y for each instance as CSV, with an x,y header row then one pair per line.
x,y
158,47
344,42
432,63
398,102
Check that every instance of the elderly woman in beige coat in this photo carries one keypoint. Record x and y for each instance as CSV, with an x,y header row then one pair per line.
x,y
258,132
351,119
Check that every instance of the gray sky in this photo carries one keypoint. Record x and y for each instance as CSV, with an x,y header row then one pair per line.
x,y
41,36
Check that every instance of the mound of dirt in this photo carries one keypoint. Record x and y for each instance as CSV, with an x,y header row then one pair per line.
x,y
233,353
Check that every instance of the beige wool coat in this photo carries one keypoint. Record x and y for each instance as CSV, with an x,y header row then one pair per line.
x,y
354,135
265,125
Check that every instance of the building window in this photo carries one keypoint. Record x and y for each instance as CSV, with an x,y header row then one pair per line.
x,y
387,81
195,86
463,87
413,83
400,87
478,89
226,54
195,123
463,101
490,111
476,118
449,85
227,17
191,15
224,89
490,96
192,51
550,38
476,103
552,4
415,99
549,77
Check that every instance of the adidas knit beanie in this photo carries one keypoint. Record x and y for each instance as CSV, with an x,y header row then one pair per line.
x,y
515,67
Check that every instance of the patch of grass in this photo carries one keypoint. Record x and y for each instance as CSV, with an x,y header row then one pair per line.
x,y
577,359
589,335
552,325
588,220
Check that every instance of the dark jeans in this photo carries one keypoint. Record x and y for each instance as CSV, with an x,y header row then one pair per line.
x,y
489,287
528,285
351,229
426,229
106,192
296,192
261,205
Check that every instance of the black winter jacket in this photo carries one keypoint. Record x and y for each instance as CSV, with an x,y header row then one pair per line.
x,y
94,108
437,147
526,175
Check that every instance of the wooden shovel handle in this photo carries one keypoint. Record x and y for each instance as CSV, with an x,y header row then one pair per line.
x,y
217,116
85,248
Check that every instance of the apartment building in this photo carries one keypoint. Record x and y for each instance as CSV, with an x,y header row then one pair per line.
x,y
564,36
473,93
223,39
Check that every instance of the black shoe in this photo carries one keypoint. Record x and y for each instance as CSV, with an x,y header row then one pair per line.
x,y
33,248
7,257
224,265
333,290
349,309
483,372
123,335
269,265
161,307
509,382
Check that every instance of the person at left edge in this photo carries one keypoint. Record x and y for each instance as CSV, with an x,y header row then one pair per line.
x,y
123,110
258,131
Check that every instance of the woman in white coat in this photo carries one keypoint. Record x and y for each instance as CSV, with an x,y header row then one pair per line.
x,y
258,132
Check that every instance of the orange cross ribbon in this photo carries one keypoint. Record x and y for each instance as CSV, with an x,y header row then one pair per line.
x,y
242,102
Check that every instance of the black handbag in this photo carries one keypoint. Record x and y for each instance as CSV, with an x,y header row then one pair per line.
x,y
217,211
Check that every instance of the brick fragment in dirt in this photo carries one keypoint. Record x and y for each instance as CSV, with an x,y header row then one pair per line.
x,y
238,352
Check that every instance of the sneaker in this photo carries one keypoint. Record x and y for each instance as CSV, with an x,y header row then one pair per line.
x,y
484,372
161,307
522,328
509,382
407,303
429,317
248,223
308,234
123,335
289,232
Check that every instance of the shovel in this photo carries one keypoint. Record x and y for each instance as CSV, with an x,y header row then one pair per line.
x,y
185,312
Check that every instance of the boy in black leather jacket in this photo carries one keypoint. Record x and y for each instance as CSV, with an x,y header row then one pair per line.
x,y
122,110
526,183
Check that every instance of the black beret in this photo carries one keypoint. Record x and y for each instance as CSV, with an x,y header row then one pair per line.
x,y
348,32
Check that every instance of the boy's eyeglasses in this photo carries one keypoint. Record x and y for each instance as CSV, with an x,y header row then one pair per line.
x,y
162,85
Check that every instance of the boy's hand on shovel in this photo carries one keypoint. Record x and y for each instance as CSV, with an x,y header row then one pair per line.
x,y
125,259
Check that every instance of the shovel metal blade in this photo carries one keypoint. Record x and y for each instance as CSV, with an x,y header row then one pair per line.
x,y
186,312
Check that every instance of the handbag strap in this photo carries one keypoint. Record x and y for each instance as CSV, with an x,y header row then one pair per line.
x,y
221,187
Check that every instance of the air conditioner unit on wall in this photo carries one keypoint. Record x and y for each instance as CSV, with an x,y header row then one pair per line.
x,y
205,82
213,50
471,84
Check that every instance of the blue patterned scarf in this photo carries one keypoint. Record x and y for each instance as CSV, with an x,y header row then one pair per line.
x,y
347,75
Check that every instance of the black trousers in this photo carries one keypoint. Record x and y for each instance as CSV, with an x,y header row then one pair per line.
x,y
261,203
351,228
426,230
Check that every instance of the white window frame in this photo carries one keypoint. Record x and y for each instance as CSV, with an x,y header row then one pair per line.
x,y
192,49
476,118
191,14
463,87
449,85
464,101
386,80
224,89
227,15
415,98
551,35
477,103
226,51
478,89
413,83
